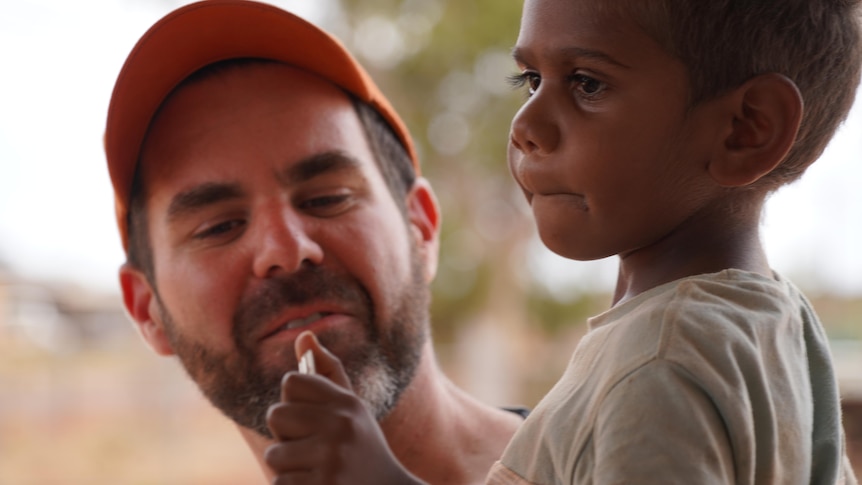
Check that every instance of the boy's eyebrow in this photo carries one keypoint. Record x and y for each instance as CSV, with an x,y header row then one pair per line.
x,y
519,55
200,196
318,164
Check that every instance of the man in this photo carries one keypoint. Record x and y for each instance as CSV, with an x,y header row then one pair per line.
x,y
264,188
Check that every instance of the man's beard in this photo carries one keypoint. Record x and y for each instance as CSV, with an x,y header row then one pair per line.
x,y
380,366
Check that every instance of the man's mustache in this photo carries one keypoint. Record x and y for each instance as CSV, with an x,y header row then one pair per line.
x,y
310,283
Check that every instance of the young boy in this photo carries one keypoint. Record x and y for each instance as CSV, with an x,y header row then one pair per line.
x,y
654,130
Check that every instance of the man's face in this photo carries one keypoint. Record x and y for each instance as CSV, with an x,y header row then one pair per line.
x,y
268,216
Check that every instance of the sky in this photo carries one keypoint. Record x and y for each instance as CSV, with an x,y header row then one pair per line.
x,y
56,205
61,59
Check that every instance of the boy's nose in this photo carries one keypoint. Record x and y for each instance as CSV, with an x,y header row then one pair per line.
x,y
533,130
283,244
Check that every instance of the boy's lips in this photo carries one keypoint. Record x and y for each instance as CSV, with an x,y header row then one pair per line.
x,y
538,179
577,201
535,190
571,198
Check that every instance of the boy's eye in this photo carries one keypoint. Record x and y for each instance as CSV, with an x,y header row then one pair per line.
x,y
585,85
588,86
530,79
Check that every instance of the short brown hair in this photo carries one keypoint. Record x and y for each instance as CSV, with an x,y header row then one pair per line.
x,y
723,43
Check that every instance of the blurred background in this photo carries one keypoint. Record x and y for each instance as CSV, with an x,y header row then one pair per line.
x,y
82,401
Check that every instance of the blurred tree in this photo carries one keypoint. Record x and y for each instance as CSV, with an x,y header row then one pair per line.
x,y
444,65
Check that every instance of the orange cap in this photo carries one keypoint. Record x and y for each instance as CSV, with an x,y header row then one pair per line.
x,y
200,34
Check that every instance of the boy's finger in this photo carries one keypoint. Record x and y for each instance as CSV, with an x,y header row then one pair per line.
x,y
324,362
293,421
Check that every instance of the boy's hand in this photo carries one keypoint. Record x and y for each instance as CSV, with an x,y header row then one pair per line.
x,y
325,433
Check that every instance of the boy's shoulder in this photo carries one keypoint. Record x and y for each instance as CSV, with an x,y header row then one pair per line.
x,y
736,314
727,294
686,366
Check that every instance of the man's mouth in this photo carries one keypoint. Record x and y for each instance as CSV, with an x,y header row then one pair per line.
x,y
302,322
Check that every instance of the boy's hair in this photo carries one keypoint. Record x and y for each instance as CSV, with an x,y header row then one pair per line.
x,y
723,43
390,155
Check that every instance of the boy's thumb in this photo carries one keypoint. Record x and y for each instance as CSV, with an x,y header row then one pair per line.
x,y
325,363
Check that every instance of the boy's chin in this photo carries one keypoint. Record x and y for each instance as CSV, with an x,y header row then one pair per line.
x,y
571,247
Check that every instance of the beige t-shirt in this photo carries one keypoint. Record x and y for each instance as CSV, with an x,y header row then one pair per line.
x,y
712,379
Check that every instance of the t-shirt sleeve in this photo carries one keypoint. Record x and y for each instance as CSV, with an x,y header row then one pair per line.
x,y
657,425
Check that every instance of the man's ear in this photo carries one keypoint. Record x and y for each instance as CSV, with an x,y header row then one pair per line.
x,y
765,115
423,214
142,306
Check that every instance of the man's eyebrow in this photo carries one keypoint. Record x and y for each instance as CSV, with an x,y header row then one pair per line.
x,y
210,193
201,196
318,164
521,55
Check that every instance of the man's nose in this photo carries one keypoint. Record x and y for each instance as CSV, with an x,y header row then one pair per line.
x,y
534,128
283,243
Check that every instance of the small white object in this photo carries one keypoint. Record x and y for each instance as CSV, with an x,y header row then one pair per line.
x,y
306,363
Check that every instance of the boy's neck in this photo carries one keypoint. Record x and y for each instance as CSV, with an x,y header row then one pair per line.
x,y
711,241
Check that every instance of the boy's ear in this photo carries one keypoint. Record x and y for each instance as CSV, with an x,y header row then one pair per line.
x,y
423,214
142,306
766,112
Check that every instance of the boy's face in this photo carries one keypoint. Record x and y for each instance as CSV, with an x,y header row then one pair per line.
x,y
606,149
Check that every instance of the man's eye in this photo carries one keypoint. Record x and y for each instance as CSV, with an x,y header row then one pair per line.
x,y
326,205
324,201
220,229
527,78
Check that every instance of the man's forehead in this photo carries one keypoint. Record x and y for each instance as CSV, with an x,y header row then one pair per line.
x,y
249,80
252,110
